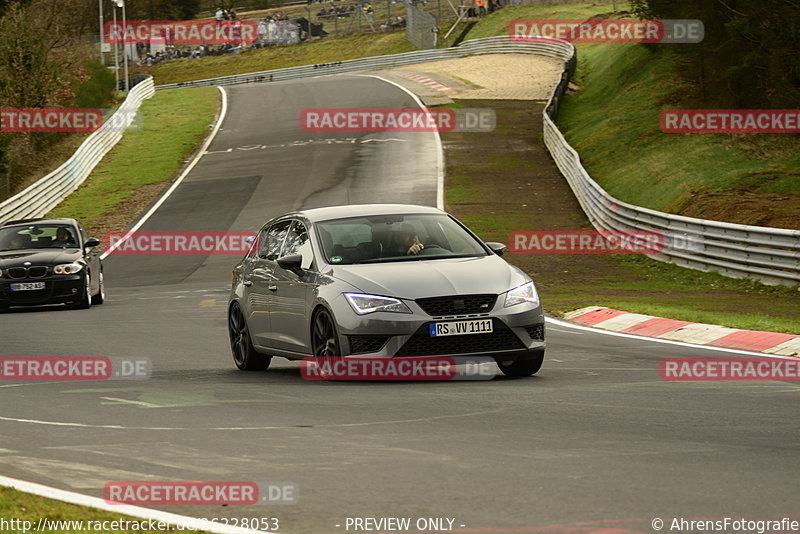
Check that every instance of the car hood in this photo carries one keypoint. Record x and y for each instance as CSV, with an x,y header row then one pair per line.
x,y
433,278
51,256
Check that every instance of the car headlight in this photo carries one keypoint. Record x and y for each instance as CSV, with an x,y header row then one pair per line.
x,y
364,304
523,293
68,268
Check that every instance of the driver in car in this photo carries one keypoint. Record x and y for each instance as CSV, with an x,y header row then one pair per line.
x,y
406,241
17,242
64,238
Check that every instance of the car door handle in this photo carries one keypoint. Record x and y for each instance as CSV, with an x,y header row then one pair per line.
x,y
248,283
272,287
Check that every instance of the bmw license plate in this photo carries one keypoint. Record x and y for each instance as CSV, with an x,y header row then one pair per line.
x,y
27,286
459,328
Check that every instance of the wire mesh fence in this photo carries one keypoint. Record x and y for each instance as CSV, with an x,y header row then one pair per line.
x,y
421,28
345,17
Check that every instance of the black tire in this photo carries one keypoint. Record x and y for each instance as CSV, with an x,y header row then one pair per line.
x,y
244,354
85,301
101,292
324,341
526,366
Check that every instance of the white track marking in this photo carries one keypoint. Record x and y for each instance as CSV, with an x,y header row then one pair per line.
x,y
126,401
184,174
436,136
122,509
291,427
37,383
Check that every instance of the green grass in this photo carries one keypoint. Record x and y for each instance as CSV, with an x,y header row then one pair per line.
x,y
26,507
487,226
459,193
646,286
613,121
498,22
323,51
173,124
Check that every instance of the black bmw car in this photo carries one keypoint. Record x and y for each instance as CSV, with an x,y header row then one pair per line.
x,y
49,261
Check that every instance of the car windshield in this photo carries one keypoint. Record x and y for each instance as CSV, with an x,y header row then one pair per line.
x,y
37,236
392,238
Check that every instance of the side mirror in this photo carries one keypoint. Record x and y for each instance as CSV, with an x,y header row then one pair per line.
x,y
292,262
497,248
91,243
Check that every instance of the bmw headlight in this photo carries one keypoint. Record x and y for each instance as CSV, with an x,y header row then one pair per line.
x,y
363,304
523,293
68,268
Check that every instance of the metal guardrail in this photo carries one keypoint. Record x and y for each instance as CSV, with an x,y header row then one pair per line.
x,y
771,255
41,197
488,45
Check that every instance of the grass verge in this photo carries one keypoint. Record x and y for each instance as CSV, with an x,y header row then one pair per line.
x,y
26,507
613,121
173,124
521,189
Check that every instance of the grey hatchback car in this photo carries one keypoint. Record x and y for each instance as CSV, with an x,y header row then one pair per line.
x,y
381,280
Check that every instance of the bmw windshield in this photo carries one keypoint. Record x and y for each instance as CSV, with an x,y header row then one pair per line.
x,y
38,236
392,238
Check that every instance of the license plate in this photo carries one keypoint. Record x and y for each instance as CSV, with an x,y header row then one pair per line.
x,y
460,328
27,286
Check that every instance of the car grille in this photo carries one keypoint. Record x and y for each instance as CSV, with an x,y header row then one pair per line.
x,y
18,273
365,344
37,272
422,344
457,305
536,331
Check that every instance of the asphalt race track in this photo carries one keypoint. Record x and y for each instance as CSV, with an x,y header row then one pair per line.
x,y
597,440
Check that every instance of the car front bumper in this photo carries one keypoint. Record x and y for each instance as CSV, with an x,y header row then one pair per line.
x,y
57,290
518,332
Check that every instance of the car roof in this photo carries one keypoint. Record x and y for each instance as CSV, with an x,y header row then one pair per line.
x,y
362,210
42,220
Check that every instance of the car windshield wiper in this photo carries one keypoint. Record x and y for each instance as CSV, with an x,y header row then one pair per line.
x,y
448,256
415,258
